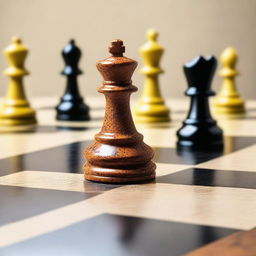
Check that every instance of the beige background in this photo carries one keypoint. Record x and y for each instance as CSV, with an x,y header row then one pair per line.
x,y
187,28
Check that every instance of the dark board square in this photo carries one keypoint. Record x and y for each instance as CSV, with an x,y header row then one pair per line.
x,y
210,177
69,158
193,157
65,158
172,156
18,203
115,235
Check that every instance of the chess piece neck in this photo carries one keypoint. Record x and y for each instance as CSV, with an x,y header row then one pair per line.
x,y
151,88
228,87
123,126
72,92
117,88
197,113
16,94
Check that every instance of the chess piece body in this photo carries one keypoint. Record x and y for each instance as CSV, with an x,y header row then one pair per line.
x,y
151,107
228,101
16,110
118,154
72,106
200,130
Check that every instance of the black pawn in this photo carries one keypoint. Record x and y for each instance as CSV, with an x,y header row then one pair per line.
x,y
72,106
200,131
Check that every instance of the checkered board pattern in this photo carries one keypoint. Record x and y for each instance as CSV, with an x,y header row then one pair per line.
x,y
200,203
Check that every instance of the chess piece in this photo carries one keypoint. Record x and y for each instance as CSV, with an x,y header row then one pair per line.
x,y
151,107
118,154
16,110
228,101
72,106
200,130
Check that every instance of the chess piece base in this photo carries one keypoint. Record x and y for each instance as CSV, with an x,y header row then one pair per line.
x,y
200,137
18,128
139,174
152,113
212,145
70,111
119,159
227,105
12,116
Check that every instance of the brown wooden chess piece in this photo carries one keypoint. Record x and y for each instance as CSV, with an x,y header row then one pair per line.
x,y
118,154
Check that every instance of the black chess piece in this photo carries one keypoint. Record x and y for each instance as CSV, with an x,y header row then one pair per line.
x,y
200,131
72,106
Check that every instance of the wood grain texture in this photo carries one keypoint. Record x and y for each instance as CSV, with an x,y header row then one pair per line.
x,y
238,244
118,154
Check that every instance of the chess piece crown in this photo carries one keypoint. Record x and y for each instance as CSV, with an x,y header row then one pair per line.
x,y
151,107
199,73
117,69
118,154
16,110
228,100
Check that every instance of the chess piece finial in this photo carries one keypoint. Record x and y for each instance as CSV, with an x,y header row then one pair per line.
x,y
229,59
151,107
200,131
16,40
117,48
118,154
228,101
152,35
16,110
72,106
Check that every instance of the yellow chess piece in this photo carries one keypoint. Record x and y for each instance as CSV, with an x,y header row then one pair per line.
x,y
228,101
151,107
15,110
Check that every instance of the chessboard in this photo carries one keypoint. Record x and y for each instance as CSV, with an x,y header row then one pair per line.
x,y
200,203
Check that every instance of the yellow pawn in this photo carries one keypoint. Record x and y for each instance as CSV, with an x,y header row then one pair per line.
x,y
15,110
228,101
151,107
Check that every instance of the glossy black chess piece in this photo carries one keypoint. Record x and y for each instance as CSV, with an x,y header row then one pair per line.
x,y
72,106
200,131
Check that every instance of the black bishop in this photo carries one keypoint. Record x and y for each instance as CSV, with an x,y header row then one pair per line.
x,y
72,106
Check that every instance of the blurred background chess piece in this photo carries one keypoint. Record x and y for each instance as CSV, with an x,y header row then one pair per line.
x,y
15,110
151,107
228,101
